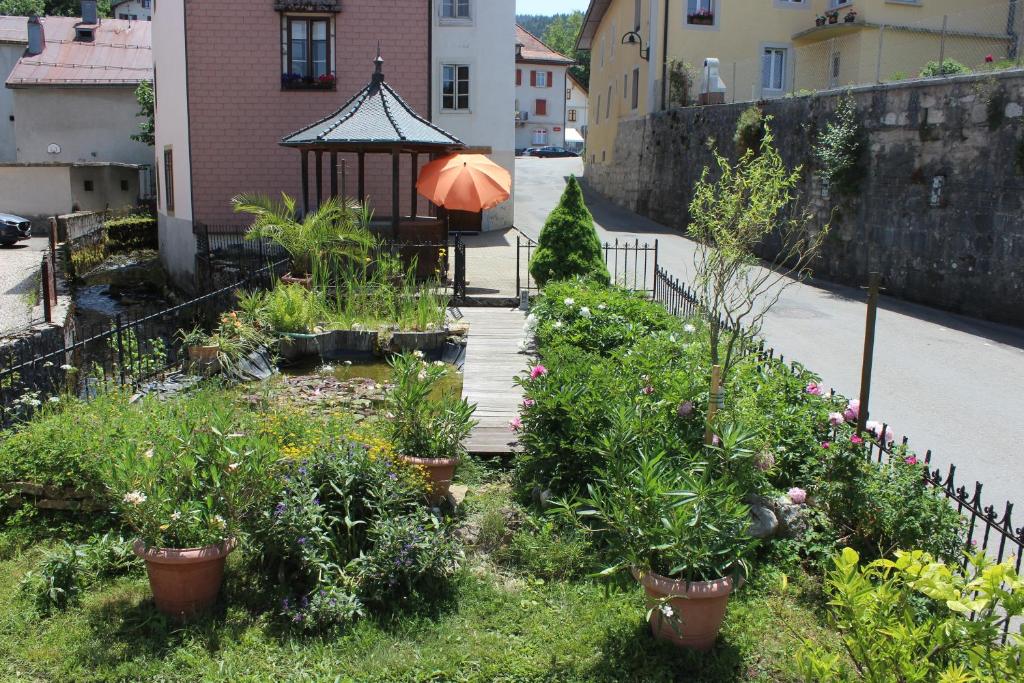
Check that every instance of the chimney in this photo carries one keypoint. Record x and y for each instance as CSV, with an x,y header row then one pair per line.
x,y
89,14
36,37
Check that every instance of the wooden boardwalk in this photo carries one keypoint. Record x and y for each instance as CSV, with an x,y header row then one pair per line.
x,y
492,361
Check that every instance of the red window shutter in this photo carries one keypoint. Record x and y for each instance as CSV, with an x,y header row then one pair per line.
x,y
533,79
551,78
542,107
519,76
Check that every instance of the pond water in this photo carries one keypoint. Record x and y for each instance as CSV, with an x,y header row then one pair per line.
x,y
131,285
378,371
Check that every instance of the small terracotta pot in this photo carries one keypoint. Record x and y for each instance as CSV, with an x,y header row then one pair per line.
x,y
203,354
306,280
833,20
698,609
184,581
439,471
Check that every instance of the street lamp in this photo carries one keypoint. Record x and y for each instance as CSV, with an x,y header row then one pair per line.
x,y
634,38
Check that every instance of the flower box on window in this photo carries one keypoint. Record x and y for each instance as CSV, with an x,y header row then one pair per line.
x,y
299,82
704,17
850,17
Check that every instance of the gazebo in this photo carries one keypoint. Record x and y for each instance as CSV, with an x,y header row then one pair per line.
x,y
375,121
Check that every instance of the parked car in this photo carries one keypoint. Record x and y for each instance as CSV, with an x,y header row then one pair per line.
x,y
530,151
548,152
13,229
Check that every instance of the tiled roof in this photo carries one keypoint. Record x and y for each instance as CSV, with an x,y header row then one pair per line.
x,y
374,116
119,54
534,49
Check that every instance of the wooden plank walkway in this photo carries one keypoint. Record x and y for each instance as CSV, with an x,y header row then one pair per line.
x,y
492,361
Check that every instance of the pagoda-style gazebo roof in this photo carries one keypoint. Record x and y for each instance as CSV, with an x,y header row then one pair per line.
x,y
374,121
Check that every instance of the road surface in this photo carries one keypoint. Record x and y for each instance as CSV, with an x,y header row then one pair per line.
x,y
951,383
19,268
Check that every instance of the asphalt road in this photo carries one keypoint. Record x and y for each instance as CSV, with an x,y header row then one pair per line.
x,y
951,383
19,266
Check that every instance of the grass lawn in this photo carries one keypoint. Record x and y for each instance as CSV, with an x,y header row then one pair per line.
x,y
501,624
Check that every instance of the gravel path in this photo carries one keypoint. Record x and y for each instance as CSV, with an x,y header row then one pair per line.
x,y
949,382
19,267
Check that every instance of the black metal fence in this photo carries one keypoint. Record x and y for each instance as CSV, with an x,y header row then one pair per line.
x,y
78,362
630,264
985,527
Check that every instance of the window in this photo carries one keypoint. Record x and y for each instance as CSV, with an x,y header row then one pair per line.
x,y
625,85
540,108
835,4
568,94
572,116
597,113
124,186
308,53
146,4
519,77
773,68
122,15
88,186
836,64
700,12
636,88
540,79
169,180
455,87
540,137
455,9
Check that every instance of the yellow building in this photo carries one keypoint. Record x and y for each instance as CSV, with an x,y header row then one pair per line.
x,y
774,48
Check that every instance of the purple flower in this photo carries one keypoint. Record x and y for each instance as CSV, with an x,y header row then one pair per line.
x,y
797,495
279,510
685,409
515,424
910,460
814,389
392,476
302,540
826,445
856,440
529,403
715,441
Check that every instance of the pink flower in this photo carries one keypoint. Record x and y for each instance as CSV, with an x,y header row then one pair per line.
x,y
715,441
647,390
856,440
910,459
814,389
764,461
685,409
852,411
538,371
989,59
876,430
529,403
515,424
826,445
797,495
836,419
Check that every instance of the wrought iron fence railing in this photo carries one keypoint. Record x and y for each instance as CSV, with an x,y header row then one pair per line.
x,y
630,264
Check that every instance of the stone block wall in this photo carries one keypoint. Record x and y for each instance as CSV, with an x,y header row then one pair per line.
x,y
961,249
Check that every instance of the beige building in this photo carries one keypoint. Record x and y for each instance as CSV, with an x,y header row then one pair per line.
x,y
640,49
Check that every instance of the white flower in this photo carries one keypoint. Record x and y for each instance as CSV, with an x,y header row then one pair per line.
x,y
689,328
175,516
149,453
667,610
569,301
327,369
531,323
347,363
233,466
67,368
439,363
417,353
135,497
602,307
219,522
585,312
35,403
422,375
356,327
54,399
558,324
48,364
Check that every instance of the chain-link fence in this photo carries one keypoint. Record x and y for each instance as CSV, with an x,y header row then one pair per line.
x,y
981,39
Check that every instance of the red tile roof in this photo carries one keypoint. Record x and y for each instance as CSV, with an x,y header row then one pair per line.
x,y
534,49
120,54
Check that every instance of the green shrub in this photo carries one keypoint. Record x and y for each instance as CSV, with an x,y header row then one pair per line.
x,y
135,231
840,149
948,67
568,246
750,128
291,308
55,584
549,551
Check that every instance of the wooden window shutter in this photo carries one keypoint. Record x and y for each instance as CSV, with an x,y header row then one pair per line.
x,y
551,78
542,107
533,79
519,76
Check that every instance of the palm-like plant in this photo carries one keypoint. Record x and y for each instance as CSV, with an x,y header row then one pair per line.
x,y
317,242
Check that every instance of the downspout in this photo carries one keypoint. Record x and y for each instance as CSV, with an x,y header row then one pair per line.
x,y
430,61
664,58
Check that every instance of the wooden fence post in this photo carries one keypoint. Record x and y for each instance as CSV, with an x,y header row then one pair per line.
x,y
874,287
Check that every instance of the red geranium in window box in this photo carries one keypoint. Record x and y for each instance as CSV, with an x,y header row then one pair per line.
x,y
704,17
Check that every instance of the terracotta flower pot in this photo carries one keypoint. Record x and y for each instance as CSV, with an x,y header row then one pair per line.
x,y
203,354
697,609
833,19
306,280
184,581
439,473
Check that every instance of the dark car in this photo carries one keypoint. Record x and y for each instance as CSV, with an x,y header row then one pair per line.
x,y
13,229
549,152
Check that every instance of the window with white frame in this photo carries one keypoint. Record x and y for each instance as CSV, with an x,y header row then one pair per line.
x,y
540,137
572,116
542,79
455,9
455,87
700,12
773,68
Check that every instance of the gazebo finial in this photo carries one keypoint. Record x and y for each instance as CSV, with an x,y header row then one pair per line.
x,y
378,63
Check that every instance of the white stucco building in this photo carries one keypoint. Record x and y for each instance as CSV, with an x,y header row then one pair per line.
x,y
135,10
472,84
576,98
541,86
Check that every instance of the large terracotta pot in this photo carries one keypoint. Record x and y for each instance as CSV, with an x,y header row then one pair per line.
x,y
697,609
203,354
184,581
439,473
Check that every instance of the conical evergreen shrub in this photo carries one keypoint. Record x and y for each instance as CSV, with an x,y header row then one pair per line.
x,y
569,246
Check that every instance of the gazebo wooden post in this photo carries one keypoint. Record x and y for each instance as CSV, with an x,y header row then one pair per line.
x,y
362,177
334,175
305,181
396,209
319,179
412,185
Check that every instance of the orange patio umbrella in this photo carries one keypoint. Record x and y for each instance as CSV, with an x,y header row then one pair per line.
x,y
465,182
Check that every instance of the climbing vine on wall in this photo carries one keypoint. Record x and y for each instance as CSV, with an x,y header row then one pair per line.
x,y
749,131
840,149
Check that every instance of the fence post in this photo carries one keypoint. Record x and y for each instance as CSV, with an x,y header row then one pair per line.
x,y
942,44
518,266
869,350
119,326
45,282
460,269
878,64
734,84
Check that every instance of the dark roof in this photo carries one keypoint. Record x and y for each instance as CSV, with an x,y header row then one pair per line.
x,y
591,20
534,50
376,116
120,54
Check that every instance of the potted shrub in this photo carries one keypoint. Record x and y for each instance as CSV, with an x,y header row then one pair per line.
x,y
186,499
820,20
833,16
681,533
427,431
850,17
201,348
